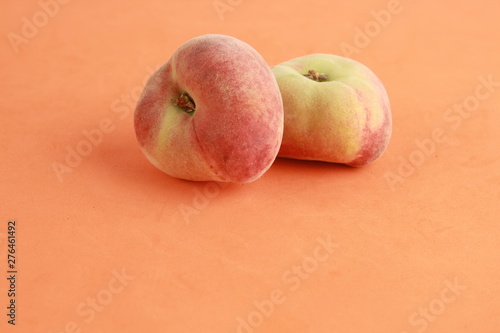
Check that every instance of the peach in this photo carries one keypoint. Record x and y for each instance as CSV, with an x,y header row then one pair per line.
x,y
336,110
213,112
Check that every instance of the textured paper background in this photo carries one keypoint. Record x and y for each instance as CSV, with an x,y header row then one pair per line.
x,y
110,244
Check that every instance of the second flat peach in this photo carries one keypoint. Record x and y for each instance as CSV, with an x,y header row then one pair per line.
x,y
336,110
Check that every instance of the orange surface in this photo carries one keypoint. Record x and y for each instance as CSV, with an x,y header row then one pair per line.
x,y
110,244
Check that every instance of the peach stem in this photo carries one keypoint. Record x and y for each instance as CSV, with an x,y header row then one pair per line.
x,y
315,76
185,102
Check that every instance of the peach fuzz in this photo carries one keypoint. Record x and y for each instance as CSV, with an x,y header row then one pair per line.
x,y
213,112
341,115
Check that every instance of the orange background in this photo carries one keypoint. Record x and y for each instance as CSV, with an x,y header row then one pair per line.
x,y
113,245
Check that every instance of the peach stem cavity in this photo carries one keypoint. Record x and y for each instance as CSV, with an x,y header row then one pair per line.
x,y
185,102
315,76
